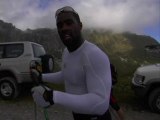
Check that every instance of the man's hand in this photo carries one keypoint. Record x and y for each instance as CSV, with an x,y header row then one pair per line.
x,y
43,96
36,76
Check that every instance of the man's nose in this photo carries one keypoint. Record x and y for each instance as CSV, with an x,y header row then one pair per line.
x,y
65,26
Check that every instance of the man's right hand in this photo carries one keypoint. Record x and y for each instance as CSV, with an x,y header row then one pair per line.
x,y
43,96
36,76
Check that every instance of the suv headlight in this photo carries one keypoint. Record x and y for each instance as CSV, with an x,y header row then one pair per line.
x,y
139,79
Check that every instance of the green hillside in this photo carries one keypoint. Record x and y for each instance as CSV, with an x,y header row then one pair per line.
x,y
125,50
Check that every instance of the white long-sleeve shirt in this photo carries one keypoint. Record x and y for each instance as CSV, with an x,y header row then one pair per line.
x,y
87,78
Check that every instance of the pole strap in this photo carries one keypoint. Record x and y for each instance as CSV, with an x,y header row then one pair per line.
x,y
45,114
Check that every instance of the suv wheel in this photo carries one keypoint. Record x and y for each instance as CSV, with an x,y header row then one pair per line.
x,y
8,88
154,100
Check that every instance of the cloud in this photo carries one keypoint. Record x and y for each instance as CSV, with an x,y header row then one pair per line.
x,y
121,14
118,15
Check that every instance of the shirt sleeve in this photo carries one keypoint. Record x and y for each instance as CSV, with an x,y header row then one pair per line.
x,y
53,77
98,81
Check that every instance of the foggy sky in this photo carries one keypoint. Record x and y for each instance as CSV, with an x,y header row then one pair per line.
x,y
118,15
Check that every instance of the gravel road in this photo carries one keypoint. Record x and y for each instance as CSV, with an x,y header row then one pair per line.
x,y
23,109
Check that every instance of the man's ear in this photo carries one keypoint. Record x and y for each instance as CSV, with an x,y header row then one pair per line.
x,y
81,25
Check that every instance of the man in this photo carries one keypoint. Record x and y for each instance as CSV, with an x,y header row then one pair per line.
x,y
85,73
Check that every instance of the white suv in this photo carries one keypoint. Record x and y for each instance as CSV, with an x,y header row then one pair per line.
x,y
146,80
15,61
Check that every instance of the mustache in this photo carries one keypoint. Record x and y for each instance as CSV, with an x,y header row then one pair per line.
x,y
66,32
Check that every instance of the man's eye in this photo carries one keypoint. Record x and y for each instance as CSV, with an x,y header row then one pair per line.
x,y
60,25
67,22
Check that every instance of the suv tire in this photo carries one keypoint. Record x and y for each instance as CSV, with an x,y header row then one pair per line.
x,y
154,100
8,88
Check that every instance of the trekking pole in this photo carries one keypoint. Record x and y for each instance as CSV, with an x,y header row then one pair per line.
x,y
37,66
35,111
44,111
46,114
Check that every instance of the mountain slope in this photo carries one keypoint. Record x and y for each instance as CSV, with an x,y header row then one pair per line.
x,y
125,49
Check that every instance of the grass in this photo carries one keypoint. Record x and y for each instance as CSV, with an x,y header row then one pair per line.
x,y
123,91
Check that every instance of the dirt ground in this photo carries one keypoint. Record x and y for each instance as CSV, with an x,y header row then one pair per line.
x,y
23,109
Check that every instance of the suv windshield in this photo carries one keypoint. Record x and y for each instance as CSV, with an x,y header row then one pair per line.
x,y
38,50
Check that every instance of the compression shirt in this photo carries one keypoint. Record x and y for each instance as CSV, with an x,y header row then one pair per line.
x,y
87,78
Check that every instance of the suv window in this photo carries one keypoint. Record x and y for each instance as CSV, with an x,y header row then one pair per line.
x,y
11,50
38,50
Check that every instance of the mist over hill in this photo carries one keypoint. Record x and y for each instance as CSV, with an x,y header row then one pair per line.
x,y
125,50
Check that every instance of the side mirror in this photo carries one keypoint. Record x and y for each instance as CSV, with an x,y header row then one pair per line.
x,y
153,50
47,63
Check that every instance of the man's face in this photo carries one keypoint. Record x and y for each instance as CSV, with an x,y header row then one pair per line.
x,y
69,29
